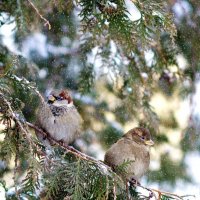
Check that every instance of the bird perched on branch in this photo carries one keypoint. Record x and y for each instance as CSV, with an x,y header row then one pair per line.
x,y
59,118
134,146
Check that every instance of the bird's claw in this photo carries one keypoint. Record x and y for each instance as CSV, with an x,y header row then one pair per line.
x,y
133,182
61,142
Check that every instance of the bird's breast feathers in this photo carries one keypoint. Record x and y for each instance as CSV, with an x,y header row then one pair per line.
x,y
62,123
125,150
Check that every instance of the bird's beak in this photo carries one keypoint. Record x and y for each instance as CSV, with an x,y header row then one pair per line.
x,y
51,98
149,142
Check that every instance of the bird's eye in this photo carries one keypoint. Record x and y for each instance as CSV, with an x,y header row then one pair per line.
x,y
59,98
143,137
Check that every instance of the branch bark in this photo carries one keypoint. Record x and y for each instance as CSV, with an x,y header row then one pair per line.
x,y
70,148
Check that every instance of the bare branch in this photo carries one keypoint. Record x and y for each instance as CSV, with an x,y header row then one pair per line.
x,y
43,18
70,148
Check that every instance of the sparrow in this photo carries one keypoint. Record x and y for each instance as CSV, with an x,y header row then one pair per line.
x,y
134,146
59,118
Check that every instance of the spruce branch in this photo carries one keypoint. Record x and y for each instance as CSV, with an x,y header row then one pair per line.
x,y
24,83
15,118
70,149
109,9
21,16
80,155
21,126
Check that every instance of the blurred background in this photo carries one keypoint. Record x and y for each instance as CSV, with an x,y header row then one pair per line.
x,y
120,76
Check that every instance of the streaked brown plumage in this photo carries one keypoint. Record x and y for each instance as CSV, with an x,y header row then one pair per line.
x,y
59,117
133,146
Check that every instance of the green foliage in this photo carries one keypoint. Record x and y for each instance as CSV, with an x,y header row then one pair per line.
x,y
86,79
160,138
122,169
120,80
169,171
190,141
169,121
109,135
79,180
163,197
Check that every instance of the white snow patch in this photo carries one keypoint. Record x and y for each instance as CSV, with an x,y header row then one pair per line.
x,y
182,62
181,9
149,57
36,42
42,73
134,14
7,32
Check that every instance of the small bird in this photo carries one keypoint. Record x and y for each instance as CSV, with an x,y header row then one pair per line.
x,y
134,146
59,118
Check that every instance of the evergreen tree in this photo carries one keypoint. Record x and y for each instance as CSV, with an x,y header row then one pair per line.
x,y
95,49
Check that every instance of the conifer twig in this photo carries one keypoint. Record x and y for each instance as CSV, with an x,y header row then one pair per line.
x,y
43,18
16,78
169,194
17,121
20,125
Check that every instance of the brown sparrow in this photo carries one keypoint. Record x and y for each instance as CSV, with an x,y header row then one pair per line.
x,y
134,146
59,118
